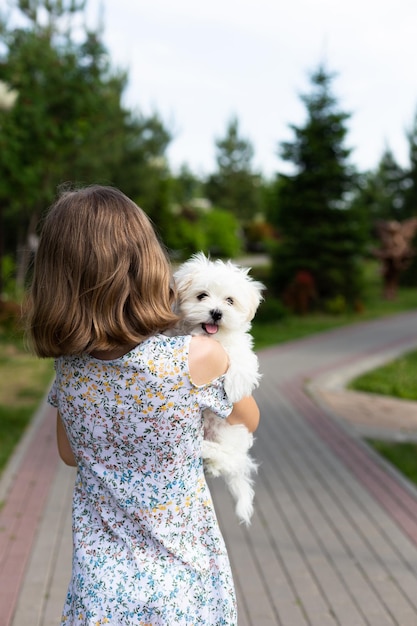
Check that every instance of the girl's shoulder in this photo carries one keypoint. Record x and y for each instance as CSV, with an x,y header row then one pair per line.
x,y
207,360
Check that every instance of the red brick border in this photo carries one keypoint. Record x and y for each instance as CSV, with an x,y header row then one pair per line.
x,y
23,509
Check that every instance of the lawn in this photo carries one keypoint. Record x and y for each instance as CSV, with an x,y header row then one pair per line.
x,y
23,383
402,455
397,379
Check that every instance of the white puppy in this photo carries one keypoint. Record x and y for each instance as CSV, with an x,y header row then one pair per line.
x,y
219,299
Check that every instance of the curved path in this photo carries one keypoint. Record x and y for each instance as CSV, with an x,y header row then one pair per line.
x,y
334,534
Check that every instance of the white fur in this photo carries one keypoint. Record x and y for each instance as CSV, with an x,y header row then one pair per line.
x,y
221,294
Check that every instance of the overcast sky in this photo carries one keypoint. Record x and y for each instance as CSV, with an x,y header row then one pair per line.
x,y
198,63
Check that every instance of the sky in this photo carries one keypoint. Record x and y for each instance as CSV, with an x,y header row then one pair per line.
x,y
200,63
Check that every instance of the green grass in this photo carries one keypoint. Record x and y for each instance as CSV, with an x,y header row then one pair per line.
x,y
402,455
397,378
23,382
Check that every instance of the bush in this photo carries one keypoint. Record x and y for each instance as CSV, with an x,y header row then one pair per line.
x,y
330,281
10,316
184,237
271,310
8,272
221,230
336,305
257,235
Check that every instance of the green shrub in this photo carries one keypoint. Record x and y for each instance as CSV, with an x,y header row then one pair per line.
x,y
336,305
222,233
184,237
271,310
8,272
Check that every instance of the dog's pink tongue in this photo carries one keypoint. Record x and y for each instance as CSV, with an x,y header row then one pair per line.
x,y
211,329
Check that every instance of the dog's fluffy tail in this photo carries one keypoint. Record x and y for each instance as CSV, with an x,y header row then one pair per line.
x,y
241,488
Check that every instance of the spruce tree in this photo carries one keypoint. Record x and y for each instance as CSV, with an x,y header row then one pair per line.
x,y
234,186
321,236
380,194
410,179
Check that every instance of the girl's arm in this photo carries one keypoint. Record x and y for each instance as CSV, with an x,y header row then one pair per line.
x,y
245,412
64,448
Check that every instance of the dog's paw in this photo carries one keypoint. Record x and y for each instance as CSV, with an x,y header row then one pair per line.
x,y
240,382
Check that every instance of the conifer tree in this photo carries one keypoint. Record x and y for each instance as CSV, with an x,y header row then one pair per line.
x,y
234,186
321,236
380,194
410,179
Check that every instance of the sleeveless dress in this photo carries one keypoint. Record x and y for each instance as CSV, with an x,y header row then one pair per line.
x,y
148,550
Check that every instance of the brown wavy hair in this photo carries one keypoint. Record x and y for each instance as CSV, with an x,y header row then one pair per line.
x,y
101,277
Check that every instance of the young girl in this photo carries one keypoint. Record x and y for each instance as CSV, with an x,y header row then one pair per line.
x,y
147,546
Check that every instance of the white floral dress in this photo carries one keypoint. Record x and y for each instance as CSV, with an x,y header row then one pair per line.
x,y
147,547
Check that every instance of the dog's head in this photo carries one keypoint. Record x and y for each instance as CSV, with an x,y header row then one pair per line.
x,y
215,297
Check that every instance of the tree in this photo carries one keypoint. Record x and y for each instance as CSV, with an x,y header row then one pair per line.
x,y
186,186
380,193
410,178
409,206
396,251
235,187
142,171
68,122
321,236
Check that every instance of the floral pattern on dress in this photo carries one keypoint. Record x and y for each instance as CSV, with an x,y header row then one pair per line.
x,y
148,550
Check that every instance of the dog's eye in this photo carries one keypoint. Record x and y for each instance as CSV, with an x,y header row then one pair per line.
x,y
229,300
202,295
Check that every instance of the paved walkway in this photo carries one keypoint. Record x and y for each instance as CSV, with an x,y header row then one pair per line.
x,y
334,534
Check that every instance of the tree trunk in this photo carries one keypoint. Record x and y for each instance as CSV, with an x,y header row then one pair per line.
x,y
25,252
1,250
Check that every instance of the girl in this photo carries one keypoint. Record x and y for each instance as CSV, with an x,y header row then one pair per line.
x,y
147,546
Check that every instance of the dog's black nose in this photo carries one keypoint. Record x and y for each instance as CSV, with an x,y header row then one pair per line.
x,y
216,315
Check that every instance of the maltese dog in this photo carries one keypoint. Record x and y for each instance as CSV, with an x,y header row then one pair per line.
x,y
219,299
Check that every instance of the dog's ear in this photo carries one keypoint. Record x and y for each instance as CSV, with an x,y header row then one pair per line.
x,y
182,283
254,297
187,272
